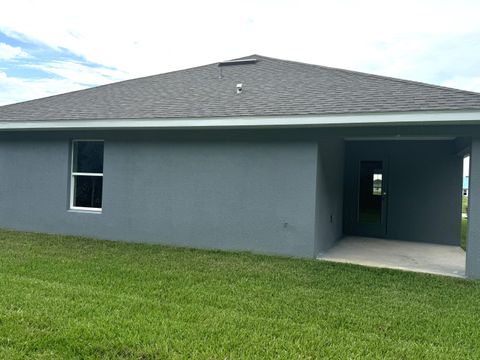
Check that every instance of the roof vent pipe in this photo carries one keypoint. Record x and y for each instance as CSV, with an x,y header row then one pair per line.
x,y
239,88
238,62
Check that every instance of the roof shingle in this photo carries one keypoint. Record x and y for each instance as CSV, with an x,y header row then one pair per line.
x,y
270,87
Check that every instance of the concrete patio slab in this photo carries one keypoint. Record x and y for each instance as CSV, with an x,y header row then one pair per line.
x,y
404,255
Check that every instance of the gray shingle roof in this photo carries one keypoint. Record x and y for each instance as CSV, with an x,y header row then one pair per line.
x,y
271,87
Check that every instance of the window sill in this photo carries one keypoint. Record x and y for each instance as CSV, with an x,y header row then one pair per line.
x,y
85,211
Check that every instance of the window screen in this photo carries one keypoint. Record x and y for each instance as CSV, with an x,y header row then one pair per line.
x,y
87,174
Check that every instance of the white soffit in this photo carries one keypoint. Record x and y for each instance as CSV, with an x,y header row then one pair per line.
x,y
369,119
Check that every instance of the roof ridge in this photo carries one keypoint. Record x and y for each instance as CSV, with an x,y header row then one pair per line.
x,y
369,75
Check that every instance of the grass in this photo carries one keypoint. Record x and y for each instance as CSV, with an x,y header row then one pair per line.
x,y
69,297
463,238
464,204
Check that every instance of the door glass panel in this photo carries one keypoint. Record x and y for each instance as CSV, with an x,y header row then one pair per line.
x,y
377,184
370,192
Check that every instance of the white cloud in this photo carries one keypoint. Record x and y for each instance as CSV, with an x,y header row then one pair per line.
x,y
8,52
401,39
70,76
466,166
80,73
466,83
145,37
14,89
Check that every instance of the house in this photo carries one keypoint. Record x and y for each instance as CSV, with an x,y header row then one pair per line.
x,y
256,154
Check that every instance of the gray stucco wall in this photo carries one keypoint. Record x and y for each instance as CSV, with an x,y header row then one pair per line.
x,y
240,194
329,192
473,242
424,189
277,192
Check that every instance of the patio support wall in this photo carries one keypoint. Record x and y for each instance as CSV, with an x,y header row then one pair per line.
x,y
329,202
473,244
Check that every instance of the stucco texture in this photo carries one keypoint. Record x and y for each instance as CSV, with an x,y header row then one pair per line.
x,y
238,194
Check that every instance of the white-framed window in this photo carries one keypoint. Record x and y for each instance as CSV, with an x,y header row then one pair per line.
x,y
86,183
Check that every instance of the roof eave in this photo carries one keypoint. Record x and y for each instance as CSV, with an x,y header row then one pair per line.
x,y
445,117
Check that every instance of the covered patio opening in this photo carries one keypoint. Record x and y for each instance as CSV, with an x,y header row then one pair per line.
x,y
421,257
402,204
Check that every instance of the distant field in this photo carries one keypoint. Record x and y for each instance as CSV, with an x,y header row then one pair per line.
x,y
463,242
464,204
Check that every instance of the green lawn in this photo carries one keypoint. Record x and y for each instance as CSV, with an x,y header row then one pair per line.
x,y
463,240
69,297
464,204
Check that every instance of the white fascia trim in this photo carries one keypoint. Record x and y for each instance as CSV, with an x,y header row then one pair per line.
x,y
364,119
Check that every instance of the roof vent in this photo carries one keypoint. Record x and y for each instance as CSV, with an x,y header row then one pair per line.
x,y
239,88
238,62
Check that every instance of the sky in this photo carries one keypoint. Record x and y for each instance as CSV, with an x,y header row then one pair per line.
x,y
49,47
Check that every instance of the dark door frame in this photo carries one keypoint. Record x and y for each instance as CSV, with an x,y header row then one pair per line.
x,y
352,223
